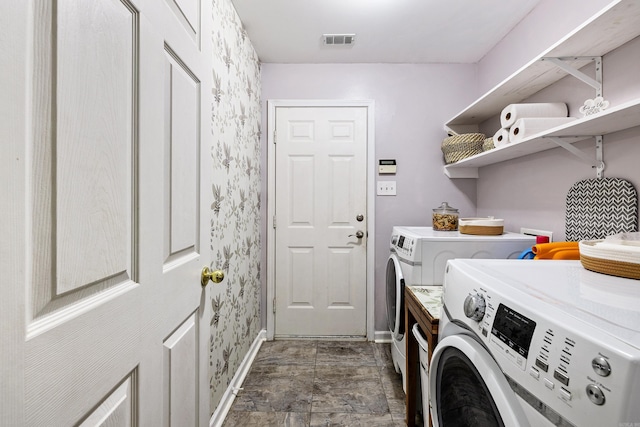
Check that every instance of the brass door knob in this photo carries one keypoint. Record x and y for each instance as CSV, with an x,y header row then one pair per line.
x,y
215,276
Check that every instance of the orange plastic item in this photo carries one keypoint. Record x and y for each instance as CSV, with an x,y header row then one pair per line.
x,y
556,250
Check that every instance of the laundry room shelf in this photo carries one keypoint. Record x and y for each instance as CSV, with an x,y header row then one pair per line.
x,y
609,29
615,119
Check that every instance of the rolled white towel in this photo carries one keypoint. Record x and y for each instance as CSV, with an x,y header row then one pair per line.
x,y
524,128
511,113
501,137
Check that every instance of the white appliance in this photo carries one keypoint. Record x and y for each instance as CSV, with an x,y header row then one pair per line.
x,y
418,257
536,343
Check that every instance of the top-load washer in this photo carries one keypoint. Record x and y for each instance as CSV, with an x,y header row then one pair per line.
x,y
536,343
419,256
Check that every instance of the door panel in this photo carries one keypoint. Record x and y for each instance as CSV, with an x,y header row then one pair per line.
x,y
187,12
93,142
117,409
321,189
301,131
301,202
301,283
182,148
339,283
341,130
340,185
82,160
181,374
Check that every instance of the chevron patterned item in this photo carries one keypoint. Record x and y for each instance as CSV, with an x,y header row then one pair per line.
x,y
597,208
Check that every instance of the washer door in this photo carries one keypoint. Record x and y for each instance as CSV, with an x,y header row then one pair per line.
x,y
467,387
395,297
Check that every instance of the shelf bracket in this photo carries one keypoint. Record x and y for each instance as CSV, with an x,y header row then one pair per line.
x,y
561,63
598,164
599,159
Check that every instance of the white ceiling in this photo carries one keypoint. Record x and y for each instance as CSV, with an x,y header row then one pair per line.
x,y
387,31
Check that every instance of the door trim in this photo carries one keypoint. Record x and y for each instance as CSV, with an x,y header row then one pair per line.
x,y
271,203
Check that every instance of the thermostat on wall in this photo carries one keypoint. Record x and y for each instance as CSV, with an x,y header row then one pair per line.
x,y
387,166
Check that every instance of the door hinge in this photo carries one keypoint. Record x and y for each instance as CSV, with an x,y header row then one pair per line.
x,y
274,136
274,221
274,306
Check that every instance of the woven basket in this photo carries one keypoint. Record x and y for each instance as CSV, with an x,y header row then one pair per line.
x,y
485,226
458,147
622,262
610,267
488,144
481,230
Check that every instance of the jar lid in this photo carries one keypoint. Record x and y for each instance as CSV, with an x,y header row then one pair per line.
x,y
445,208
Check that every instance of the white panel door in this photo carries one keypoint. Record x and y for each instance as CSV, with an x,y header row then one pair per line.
x,y
320,276
108,221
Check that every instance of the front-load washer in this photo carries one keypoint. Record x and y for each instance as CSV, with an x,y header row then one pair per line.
x,y
536,343
418,257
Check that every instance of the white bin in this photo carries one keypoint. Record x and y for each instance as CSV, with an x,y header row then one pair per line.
x,y
423,346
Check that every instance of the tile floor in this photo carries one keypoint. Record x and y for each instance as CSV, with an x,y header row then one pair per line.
x,y
320,383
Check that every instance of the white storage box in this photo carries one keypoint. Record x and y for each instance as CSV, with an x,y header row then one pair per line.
x,y
423,346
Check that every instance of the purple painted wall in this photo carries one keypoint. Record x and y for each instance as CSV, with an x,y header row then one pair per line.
x,y
411,104
547,23
413,101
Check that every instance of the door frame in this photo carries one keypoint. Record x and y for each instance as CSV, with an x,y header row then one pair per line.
x,y
272,105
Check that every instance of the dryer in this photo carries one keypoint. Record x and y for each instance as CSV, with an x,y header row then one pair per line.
x,y
536,343
419,256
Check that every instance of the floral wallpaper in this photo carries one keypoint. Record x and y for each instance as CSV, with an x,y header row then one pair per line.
x,y
235,211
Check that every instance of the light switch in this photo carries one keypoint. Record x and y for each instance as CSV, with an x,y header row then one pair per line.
x,y
386,188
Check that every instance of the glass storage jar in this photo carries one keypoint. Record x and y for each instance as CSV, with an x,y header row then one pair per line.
x,y
445,218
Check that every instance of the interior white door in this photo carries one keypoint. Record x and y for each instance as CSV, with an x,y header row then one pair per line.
x,y
321,224
106,216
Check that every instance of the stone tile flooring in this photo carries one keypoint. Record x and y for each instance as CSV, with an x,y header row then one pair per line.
x,y
320,383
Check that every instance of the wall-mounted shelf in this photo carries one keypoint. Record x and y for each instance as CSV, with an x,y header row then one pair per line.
x,y
620,117
612,27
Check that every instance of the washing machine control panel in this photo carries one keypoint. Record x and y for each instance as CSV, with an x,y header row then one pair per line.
x,y
404,245
474,306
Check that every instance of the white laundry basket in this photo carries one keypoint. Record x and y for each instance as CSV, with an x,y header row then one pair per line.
x,y
423,345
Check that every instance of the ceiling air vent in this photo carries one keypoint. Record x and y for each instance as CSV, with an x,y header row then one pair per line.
x,y
339,39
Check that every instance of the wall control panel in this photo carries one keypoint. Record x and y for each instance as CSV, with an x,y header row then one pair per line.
x,y
387,166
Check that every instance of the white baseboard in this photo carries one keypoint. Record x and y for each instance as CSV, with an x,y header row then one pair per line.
x,y
230,394
382,336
